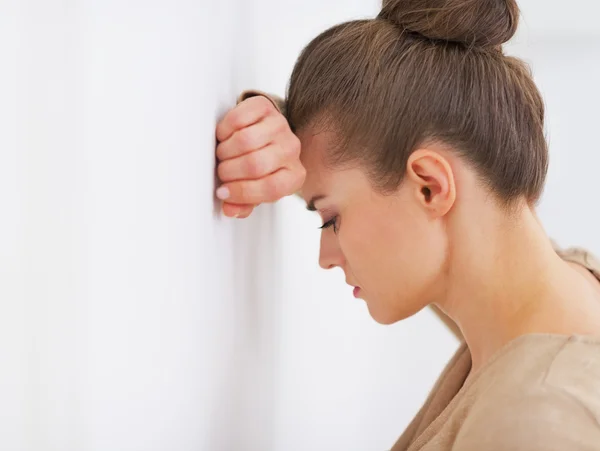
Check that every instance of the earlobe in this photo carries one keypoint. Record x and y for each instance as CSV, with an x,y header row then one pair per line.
x,y
434,180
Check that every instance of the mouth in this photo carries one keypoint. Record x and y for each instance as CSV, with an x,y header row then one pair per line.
x,y
356,291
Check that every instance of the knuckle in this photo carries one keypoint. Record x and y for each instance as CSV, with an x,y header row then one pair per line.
x,y
273,188
291,151
284,150
288,185
254,165
296,145
281,123
299,182
245,138
265,105
236,119
278,151
300,177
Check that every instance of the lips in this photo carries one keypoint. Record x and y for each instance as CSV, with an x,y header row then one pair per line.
x,y
356,291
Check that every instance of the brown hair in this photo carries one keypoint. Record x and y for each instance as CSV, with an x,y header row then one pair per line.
x,y
422,71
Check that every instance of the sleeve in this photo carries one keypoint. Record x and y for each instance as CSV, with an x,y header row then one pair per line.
x,y
278,101
548,421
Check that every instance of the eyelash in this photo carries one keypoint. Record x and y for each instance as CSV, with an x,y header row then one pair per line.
x,y
330,223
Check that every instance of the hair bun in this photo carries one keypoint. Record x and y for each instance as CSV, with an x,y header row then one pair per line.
x,y
480,23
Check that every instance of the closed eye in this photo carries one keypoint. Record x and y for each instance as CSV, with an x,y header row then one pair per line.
x,y
330,223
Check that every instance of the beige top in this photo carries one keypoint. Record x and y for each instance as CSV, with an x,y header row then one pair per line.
x,y
539,392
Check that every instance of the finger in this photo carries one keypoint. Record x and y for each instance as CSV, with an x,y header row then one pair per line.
x,y
237,211
244,114
254,137
246,211
253,165
267,189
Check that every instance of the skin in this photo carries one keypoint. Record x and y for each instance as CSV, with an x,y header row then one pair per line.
x,y
440,239
258,157
443,238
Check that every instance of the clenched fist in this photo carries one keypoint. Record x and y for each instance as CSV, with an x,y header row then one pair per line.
x,y
259,157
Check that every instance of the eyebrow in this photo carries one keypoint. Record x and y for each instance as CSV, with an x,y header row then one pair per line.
x,y
310,206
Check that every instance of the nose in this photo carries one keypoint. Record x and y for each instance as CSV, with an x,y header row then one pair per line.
x,y
330,254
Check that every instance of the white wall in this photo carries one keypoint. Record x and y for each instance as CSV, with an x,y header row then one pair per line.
x,y
566,67
132,315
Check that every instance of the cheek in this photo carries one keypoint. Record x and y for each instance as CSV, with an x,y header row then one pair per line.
x,y
397,260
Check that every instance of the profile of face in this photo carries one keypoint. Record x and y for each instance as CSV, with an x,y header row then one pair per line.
x,y
393,247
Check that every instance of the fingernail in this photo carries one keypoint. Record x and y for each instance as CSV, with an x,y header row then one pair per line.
x,y
222,193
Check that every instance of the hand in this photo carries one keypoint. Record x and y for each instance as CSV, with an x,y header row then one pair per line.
x,y
259,157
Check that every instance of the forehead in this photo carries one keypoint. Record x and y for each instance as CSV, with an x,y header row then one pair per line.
x,y
314,148
315,144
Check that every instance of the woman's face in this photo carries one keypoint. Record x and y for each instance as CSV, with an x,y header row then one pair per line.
x,y
389,246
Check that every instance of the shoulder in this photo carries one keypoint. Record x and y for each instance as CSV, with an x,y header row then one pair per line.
x,y
538,421
556,409
579,255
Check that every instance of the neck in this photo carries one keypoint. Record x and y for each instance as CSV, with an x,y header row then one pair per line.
x,y
505,280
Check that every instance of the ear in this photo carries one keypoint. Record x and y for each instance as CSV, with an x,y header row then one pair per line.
x,y
433,179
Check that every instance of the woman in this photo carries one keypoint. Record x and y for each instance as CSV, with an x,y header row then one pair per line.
x,y
422,148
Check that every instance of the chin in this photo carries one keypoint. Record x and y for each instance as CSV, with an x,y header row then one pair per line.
x,y
382,317
387,317
385,321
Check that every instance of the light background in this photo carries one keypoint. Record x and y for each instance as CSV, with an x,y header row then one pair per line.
x,y
133,316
